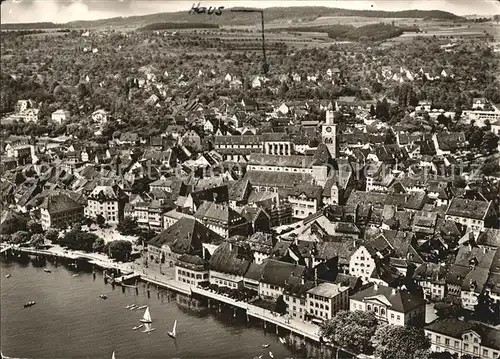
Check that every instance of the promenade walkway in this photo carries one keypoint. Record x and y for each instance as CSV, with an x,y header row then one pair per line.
x,y
305,329
308,330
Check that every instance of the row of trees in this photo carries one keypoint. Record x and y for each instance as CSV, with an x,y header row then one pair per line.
x,y
76,239
360,332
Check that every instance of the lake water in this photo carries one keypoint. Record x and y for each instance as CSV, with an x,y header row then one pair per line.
x,y
69,320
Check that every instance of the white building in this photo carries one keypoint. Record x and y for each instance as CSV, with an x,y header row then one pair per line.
x,y
60,116
362,264
464,338
191,269
329,133
108,201
390,305
325,300
100,116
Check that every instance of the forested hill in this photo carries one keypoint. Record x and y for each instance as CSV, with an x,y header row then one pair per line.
x,y
273,14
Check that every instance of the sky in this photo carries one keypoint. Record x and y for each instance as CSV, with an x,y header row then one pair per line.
x,y
61,11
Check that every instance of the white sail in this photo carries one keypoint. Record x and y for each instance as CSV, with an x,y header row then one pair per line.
x,y
147,316
113,356
172,333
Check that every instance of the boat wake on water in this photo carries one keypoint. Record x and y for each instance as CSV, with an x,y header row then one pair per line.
x,y
6,357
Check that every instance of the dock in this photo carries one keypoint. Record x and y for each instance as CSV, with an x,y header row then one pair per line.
x,y
305,329
299,327
126,277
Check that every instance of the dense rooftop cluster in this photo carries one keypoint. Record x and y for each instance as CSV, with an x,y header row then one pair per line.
x,y
357,182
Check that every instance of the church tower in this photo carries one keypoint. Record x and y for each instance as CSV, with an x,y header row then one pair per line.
x,y
329,132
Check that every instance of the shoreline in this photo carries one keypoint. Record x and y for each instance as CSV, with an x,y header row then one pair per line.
x,y
304,329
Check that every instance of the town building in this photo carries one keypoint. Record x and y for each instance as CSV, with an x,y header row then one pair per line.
x,y
107,201
186,236
325,300
228,266
222,219
276,275
60,116
191,269
60,211
390,305
329,133
463,338
473,214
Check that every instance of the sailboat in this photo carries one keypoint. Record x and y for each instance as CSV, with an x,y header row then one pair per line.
x,y
265,345
271,354
113,355
148,329
146,318
282,340
172,333
137,327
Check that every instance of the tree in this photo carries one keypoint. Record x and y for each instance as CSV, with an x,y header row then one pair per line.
x,y
100,220
145,235
489,143
128,226
446,310
20,237
78,240
37,240
119,250
372,110
34,227
395,342
476,138
486,310
12,223
280,305
98,245
382,110
351,330
52,235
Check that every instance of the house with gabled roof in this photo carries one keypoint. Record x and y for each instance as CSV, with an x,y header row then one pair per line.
x,y
276,275
59,211
390,305
222,219
472,213
463,338
228,265
186,236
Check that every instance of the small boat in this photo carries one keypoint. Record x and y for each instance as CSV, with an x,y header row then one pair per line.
x,y
271,354
102,296
7,276
47,270
172,333
138,327
146,318
282,340
113,355
141,307
130,306
75,275
266,345
29,304
148,328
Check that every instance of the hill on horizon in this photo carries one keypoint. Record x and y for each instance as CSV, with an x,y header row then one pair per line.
x,y
273,14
